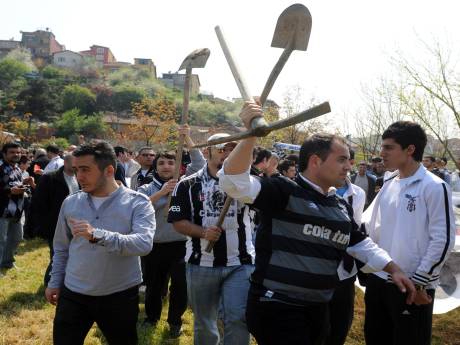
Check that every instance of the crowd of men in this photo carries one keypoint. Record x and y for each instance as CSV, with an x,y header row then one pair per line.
x,y
283,264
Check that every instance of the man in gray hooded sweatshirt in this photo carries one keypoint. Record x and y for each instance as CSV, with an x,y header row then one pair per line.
x,y
166,260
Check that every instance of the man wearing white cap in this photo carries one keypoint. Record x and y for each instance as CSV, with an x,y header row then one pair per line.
x,y
222,275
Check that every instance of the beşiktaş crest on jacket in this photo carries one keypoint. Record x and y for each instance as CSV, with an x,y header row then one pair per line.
x,y
199,199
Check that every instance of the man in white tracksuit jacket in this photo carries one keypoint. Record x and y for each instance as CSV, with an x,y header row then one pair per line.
x,y
412,219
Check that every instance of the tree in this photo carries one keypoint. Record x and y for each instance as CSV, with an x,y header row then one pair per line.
x,y
73,123
37,99
104,97
21,128
432,91
93,126
12,80
424,89
125,96
62,143
382,107
294,103
57,73
155,122
76,96
23,56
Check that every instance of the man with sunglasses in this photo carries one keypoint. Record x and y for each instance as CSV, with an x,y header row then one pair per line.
x,y
221,276
145,174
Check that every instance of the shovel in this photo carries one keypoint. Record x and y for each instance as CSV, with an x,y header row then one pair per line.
x,y
196,59
292,32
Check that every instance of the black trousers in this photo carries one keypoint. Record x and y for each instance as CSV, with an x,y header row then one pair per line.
x,y
341,309
390,321
115,314
164,261
47,276
275,323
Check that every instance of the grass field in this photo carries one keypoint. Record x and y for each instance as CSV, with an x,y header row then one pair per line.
x,y
26,317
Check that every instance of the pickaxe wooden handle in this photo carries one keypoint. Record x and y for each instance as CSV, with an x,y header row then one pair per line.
x,y
305,115
220,221
258,124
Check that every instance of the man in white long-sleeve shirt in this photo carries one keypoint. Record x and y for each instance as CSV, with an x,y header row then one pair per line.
x,y
52,151
412,219
305,231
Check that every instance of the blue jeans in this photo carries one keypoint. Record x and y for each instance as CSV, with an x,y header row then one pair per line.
x,y
10,236
206,287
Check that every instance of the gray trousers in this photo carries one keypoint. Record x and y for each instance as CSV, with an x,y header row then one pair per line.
x,y
10,237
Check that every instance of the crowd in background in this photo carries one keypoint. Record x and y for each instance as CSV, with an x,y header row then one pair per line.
x,y
35,182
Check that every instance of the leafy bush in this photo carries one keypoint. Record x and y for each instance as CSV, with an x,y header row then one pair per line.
x,y
124,96
76,96
72,122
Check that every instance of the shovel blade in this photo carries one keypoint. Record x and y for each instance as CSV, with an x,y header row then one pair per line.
x,y
294,21
196,59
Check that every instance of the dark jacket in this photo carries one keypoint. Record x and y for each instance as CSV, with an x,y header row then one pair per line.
x,y
46,202
11,206
42,162
371,182
120,174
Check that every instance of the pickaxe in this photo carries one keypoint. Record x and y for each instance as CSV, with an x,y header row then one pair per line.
x,y
196,59
292,32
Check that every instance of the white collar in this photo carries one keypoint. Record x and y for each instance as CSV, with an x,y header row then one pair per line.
x,y
350,190
318,188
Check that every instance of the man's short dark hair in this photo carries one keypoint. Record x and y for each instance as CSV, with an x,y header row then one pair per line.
x,y
444,159
285,164
352,153
118,150
24,160
293,157
103,154
8,146
431,158
262,154
407,133
318,144
53,149
163,154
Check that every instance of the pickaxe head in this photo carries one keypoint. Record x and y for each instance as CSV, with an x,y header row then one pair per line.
x,y
196,59
294,21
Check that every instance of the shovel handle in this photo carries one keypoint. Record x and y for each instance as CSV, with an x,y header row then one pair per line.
x,y
240,82
220,221
184,120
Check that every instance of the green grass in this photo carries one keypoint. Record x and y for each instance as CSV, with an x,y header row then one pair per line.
x,y
26,317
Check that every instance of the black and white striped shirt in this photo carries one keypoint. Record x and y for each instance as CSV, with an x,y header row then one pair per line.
x,y
199,199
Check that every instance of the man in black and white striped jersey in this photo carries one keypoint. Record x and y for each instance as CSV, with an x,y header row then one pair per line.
x,y
222,275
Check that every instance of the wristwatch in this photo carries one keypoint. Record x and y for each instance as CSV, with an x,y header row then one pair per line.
x,y
97,235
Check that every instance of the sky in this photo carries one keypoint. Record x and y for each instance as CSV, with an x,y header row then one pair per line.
x,y
350,43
